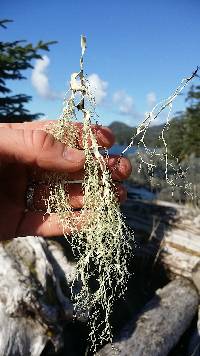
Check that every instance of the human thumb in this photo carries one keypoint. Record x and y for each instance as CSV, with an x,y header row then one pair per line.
x,y
38,148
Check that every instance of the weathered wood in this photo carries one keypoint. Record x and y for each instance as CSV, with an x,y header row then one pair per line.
x,y
181,248
196,277
161,323
178,262
33,306
172,232
194,342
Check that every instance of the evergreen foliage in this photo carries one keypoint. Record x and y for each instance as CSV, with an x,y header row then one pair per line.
x,y
15,57
192,123
183,137
175,137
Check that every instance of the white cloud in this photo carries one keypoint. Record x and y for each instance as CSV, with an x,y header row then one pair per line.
x,y
128,122
43,118
98,87
40,80
124,102
151,100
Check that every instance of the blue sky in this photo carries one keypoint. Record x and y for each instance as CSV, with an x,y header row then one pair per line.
x,y
138,51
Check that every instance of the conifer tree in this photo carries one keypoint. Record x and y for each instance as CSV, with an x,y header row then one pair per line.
x,y
183,136
192,123
15,58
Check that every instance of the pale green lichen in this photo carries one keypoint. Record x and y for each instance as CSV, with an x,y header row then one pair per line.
x,y
148,157
103,242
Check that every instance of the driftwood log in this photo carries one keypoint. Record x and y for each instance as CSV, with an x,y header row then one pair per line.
x,y
160,324
170,234
36,275
33,306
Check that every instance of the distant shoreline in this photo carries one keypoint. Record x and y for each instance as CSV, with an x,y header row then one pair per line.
x,y
117,149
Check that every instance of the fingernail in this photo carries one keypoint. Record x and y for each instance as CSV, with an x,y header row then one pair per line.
x,y
73,154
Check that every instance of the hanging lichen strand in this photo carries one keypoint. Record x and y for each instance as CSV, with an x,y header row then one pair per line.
x,y
103,244
148,157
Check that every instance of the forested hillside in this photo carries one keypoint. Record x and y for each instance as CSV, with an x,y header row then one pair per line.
x,y
123,133
182,135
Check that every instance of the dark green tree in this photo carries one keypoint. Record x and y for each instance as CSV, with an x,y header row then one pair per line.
x,y
16,57
175,137
183,136
192,123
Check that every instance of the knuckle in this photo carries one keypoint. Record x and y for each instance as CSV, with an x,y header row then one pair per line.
x,y
42,140
46,144
41,145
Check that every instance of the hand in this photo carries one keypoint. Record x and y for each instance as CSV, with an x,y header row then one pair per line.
x,y
25,149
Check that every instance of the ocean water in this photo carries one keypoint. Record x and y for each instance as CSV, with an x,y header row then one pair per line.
x,y
137,192
117,150
134,191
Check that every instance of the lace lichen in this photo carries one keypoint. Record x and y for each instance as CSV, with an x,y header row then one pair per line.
x,y
103,242
147,156
99,236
